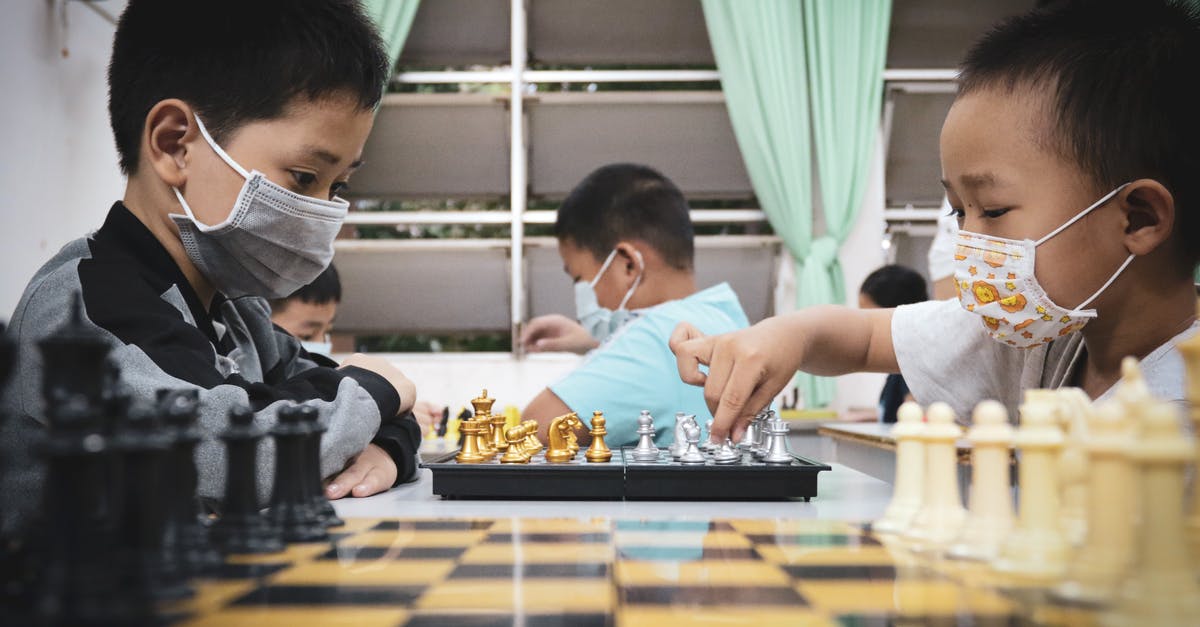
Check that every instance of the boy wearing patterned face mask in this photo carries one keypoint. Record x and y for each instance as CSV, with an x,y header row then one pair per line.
x,y
625,238
236,136
1070,159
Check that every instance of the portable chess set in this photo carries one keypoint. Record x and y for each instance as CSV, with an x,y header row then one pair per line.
x,y
512,463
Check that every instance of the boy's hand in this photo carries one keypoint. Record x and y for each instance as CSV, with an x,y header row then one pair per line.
x,y
555,332
746,369
384,368
370,472
428,416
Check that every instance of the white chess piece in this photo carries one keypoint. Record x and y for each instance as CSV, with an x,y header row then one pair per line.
x,y
1036,551
777,447
1075,407
910,471
1098,566
1161,588
990,517
646,450
941,517
692,454
679,445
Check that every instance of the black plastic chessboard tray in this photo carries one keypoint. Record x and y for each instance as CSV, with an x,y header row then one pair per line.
x,y
622,478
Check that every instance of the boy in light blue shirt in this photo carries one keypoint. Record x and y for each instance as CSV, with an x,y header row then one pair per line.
x,y
626,240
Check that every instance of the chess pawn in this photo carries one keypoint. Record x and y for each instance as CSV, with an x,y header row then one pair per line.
x,y
990,517
1036,550
910,471
242,527
513,453
692,455
532,444
707,445
727,454
646,450
469,453
1161,588
598,452
1098,566
941,517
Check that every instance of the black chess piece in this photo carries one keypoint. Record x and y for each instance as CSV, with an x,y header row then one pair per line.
x,y
149,567
187,535
242,527
312,451
74,542
74,360
292,509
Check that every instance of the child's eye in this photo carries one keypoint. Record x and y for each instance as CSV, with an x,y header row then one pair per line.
x,y
303,179
957,212
338,188
994,213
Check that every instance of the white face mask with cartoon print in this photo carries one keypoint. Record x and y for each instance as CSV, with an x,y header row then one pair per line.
x,y
995,280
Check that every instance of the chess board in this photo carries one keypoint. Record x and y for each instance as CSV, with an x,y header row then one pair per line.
x,y
622,477
581,572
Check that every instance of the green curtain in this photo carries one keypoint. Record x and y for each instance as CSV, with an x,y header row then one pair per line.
x,y
776,57
846,42
394,19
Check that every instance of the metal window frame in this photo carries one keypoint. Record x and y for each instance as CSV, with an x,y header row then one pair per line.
x,y
519,79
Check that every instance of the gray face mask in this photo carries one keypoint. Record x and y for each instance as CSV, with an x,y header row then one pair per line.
x,y
273,243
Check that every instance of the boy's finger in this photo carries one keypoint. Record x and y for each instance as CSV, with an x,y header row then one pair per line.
x,y
683,332
347,479
736,396
372,483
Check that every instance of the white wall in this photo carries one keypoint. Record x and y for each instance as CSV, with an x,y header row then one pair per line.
x,y
58,169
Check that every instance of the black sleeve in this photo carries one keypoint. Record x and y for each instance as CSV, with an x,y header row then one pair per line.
x,y
401,438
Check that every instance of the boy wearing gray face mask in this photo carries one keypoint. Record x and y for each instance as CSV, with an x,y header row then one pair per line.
x,y
236,136
625,238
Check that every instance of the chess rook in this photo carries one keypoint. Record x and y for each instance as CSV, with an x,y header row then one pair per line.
x,y
777,445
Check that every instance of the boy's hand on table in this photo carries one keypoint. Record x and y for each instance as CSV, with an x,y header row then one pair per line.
x,y
370,472
555,332
746,369
384,368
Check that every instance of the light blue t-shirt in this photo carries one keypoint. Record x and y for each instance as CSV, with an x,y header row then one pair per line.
x,y
634,369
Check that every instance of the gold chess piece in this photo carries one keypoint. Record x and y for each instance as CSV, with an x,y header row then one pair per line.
x,y
499,443
513,453
532,443
482,437
469,454
483,417
598,452
562,436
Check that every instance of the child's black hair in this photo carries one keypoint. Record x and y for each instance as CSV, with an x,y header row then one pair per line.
x,y
1121,78
326,288
237,62
895,285
624,201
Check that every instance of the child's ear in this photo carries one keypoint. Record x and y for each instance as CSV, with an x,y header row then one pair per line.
x,y
168,133
1149,215
629,259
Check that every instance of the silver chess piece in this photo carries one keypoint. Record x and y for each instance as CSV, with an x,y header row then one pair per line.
x,y
759,450
679,445
692,454
750,437
727,454
777,452
646,451
708,445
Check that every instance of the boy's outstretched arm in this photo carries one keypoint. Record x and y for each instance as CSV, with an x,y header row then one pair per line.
x,y
747,368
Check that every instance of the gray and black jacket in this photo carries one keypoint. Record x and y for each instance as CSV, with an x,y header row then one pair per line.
x,y
163,337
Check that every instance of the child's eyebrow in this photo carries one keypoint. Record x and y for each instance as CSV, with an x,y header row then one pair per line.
x,y
329,157
974,181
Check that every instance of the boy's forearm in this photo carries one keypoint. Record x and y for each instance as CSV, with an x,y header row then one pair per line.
x,y
834,340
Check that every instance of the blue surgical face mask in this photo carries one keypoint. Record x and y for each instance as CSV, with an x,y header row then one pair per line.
x,y
324,349
600,322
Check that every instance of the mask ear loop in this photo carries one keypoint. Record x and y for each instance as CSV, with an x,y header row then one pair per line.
x,y
217,149
636,282
1086,302
607,262
1079,216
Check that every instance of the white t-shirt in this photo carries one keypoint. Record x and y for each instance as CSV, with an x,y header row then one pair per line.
x,y
945,355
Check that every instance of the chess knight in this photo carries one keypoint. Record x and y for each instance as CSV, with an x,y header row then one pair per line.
x,y
563,439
